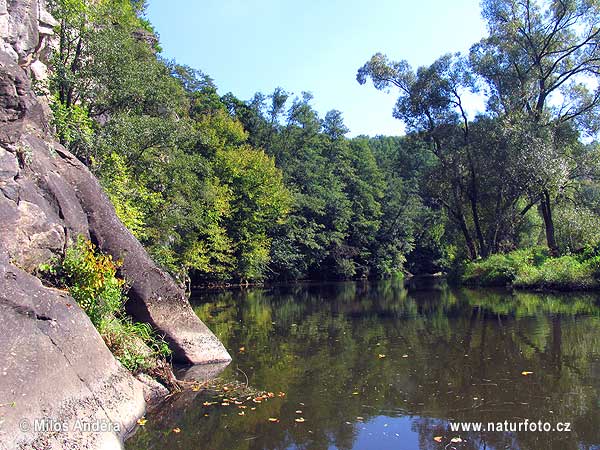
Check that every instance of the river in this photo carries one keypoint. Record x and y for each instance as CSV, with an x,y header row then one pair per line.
x,y
372,365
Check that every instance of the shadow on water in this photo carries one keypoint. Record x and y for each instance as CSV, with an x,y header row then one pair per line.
x,y
372,365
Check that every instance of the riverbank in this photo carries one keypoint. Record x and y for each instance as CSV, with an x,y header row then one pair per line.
x,y
534,269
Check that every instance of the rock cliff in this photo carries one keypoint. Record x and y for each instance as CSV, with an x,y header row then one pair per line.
x,y
54,364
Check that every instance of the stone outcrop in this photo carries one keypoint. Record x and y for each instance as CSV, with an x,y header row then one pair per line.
x,y
56,371
54,363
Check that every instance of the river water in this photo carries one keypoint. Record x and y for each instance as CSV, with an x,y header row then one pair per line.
x,y
372,365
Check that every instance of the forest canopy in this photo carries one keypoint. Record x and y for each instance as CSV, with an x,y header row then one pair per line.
x,y
223,189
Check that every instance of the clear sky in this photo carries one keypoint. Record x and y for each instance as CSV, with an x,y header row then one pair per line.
x,y
310,45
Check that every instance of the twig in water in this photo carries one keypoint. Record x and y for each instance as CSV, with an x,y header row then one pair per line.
x,y
244,373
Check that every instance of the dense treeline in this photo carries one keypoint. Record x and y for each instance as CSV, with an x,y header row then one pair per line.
x,y
218,188
530,150
224,189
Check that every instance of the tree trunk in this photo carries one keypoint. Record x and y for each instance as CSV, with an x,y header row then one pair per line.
x,y
546,209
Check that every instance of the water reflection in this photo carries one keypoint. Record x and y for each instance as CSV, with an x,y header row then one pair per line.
x,y
373,366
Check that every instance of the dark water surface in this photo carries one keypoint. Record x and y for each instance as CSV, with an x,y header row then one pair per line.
x,y
450,356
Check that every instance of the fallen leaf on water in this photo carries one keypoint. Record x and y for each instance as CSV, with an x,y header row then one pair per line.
x,y
208,403
176,430
241,413
381,356
253,409
273,420
270,395
300,419
242,349
355,393
360,418
142,421
281,394
224,404
438,438
455,440
298,412
405,356
225,388
525,373
242,406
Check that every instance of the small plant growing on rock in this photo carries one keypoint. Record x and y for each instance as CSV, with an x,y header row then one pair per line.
x,y
91,279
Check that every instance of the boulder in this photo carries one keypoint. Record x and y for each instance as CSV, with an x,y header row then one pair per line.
x,y
55,366
49,197
56,370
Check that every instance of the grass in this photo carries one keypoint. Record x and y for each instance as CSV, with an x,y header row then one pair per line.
x,y
534,269
91,279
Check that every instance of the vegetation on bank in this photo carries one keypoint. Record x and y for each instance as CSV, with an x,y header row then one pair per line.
x,y
91,279
534,269
220,189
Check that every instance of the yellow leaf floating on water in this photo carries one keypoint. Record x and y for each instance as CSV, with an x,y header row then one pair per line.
x,y
300,420
405,356
142,421
273,420
298,412
438,439
281,394
381,356
525,373
242,349
355,393
176,430
241,413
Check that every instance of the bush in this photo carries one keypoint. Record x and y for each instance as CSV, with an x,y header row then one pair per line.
x,y
91,279
502,269
533,268
565,272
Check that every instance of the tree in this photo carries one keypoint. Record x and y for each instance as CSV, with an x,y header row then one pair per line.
x,y
541,62
431,104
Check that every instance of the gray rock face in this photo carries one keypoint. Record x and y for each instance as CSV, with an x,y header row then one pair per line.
x,y
54,364
56,369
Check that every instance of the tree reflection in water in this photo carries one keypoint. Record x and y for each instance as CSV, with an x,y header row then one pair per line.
x,y
450,355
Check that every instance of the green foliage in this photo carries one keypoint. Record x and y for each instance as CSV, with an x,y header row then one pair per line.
x,y
218,189
91,279
533,268
74,127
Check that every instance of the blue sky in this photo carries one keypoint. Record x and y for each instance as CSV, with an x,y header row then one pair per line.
x,y
317,46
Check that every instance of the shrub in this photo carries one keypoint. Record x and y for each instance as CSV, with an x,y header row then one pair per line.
x,y
533,268
91,279
502,269
565,272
